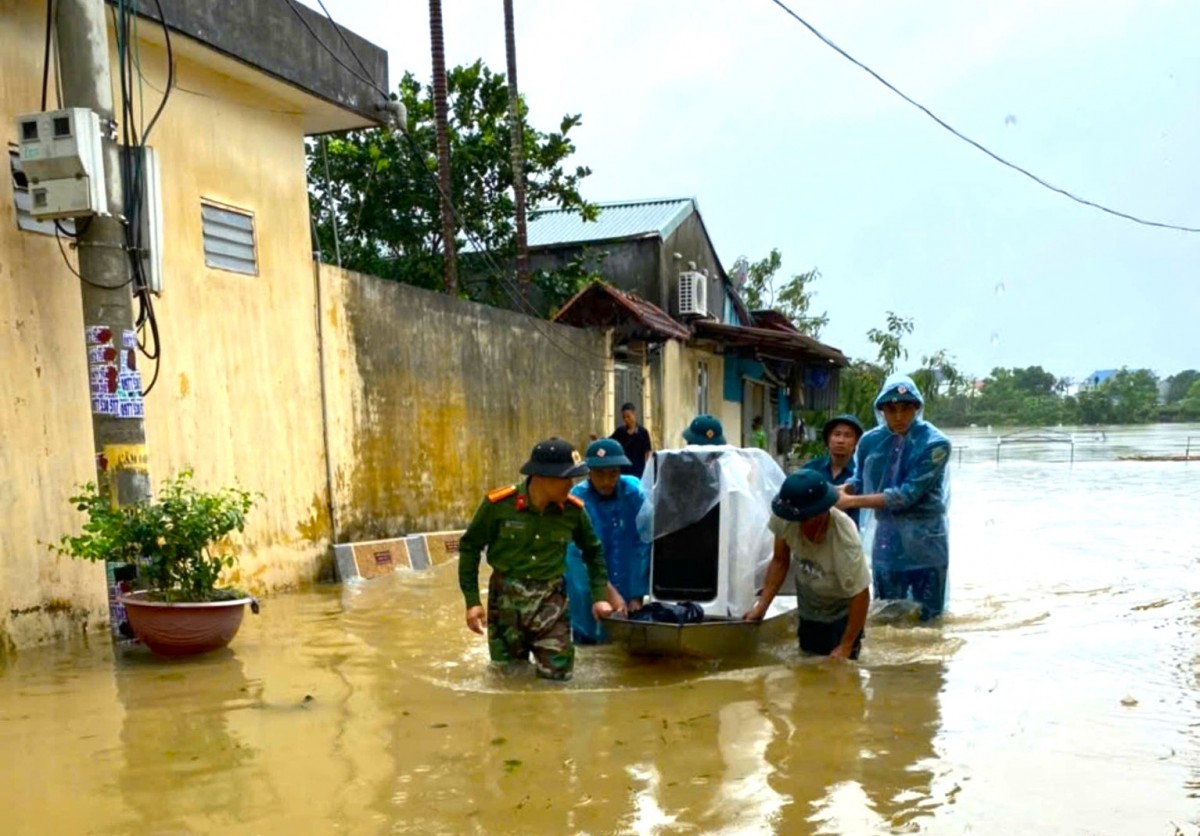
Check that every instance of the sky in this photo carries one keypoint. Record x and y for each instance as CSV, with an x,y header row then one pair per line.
x,y
786,144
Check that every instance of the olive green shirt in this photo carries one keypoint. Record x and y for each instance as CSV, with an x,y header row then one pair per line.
x,y
522,543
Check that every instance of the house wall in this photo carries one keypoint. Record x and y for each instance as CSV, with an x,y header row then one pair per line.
x,y
629,265
237,396
678,370
691,242
433,401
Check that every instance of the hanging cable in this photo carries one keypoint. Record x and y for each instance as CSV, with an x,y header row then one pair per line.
x,y
971,142
505,284
337,58
46,52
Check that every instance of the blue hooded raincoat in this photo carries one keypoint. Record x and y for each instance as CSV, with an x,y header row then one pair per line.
x,y
627,557
911,532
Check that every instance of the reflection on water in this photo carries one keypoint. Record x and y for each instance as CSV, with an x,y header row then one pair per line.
x,y
1060,695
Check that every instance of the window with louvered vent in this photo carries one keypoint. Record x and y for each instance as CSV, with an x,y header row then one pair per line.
x,y
229,239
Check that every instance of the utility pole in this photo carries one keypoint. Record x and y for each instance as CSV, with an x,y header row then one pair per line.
x,y
518,150
118,428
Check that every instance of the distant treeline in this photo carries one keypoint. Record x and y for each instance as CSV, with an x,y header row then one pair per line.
x,y
1034,397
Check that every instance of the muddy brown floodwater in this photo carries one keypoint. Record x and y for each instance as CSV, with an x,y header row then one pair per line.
x,y
1059,696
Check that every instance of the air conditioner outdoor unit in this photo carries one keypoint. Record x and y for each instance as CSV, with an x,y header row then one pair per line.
x,y
693,294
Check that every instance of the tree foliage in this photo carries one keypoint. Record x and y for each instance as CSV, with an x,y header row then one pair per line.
x,y
889,340
1178,385
382,187
792,298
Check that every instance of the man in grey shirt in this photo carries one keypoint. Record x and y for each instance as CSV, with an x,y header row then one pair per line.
x,y
833,582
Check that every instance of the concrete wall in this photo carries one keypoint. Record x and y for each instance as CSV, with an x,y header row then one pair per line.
x,y
433,401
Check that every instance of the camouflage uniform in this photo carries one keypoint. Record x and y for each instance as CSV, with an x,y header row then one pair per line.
x,y
527,600
527,616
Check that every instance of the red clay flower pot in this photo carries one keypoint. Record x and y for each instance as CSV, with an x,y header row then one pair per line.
x,y
183,629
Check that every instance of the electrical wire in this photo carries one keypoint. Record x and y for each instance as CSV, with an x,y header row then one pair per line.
x,y
78,275
133,170
170,72
973,143
505,284
337,58
500,275
342,36
46,52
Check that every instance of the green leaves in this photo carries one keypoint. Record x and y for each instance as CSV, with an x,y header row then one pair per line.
x,y
178,540
383,190
792,299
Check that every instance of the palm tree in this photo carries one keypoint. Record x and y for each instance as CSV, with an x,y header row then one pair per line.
x,y
438,48
518,163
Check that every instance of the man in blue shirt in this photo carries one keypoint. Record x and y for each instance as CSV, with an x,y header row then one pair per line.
x,y
841,434
612,501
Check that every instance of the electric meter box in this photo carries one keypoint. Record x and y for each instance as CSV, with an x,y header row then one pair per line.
x,y
62,156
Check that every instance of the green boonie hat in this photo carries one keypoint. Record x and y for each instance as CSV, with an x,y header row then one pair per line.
x,y
556,458
606,453
803,495
704,429
845,418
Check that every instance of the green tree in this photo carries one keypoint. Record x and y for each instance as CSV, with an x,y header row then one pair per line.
x,y
889,340
859,385
1178,385
1189,406
861,381
382,187
1095,407
941,384
793,298
1030,396
1134,396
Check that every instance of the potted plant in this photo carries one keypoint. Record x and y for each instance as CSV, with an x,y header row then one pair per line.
x,y
179,544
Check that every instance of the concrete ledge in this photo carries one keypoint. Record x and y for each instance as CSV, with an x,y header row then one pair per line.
x,y
375,558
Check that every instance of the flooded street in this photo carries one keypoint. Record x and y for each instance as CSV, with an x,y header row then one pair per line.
x,y
1059,696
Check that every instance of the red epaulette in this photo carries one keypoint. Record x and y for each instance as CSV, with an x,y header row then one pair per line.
x,y
574,500
498,494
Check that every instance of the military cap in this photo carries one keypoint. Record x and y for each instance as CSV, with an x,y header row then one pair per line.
x,y
556,458
704,429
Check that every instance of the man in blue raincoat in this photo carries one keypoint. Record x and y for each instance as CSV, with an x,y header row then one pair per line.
x,y
612,501
900,476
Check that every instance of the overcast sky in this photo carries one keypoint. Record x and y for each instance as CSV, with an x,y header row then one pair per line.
x,y
786,144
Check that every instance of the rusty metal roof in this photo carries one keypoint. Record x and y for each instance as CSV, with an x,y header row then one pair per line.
x,y
601,305
771,343
773,320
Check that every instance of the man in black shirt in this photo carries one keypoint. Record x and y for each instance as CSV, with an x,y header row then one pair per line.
x,y
634,440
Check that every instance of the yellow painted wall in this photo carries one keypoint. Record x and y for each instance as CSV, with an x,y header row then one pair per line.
x,y
238,393
680,364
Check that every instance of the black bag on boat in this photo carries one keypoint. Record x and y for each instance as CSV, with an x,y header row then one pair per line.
x,y
660,611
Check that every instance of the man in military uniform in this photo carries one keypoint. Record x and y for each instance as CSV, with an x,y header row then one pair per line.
x,y
525,529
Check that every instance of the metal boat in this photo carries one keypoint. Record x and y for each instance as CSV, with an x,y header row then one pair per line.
x,y
713,638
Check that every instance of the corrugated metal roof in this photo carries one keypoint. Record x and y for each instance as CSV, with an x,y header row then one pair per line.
x,y
794,346
617,221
